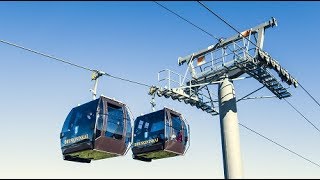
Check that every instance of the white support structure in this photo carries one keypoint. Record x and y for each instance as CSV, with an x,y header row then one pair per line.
x,y
230,59
230,139
94,90
95,75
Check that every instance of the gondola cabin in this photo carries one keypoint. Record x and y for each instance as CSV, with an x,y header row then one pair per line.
x,y
160,134
96,130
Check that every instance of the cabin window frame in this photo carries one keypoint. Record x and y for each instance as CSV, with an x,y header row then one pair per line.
x,y
128,132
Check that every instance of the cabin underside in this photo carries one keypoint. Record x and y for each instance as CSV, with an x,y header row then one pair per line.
x,y
92,154
157,154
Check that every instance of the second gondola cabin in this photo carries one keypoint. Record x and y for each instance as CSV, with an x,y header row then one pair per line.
x,y
160,134
96,130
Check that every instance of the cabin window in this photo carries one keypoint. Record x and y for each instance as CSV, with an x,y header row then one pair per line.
x,y
185,133
157,130
176,128
80,121
149,127
99,124
168,127
84,120
115,122
157,126
100,119
67,124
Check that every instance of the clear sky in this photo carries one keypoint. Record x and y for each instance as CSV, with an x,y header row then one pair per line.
x,y
135,40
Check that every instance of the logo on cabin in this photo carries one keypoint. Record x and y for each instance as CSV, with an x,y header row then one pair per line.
x,y
146,142
76,139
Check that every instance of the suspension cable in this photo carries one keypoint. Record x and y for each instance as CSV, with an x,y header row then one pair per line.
x,y
187,21
46,55
309,94
250,93
302,115
70,63
283,147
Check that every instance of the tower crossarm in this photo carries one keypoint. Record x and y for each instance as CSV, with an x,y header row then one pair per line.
x,y
181,95
260,28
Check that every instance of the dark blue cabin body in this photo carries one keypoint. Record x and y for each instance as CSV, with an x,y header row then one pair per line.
x,y
96,130
160,134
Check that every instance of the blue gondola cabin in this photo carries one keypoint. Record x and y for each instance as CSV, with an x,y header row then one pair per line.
x,y
160,134
96,130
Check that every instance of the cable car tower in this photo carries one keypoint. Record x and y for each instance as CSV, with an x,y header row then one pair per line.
x,y
229,59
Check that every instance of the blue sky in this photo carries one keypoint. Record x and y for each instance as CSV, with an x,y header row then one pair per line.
x,y
135,40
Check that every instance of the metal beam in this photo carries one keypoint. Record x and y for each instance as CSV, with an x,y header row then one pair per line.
x,y
223,43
